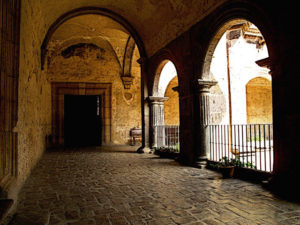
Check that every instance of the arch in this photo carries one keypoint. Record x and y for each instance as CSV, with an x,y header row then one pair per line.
x,y
91,10
157,89
226,16
127,62
167,73
238,18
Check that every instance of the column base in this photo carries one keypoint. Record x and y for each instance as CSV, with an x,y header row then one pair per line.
x,y
144,149
200,165
201,162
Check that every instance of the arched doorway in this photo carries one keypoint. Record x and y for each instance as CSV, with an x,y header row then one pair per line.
x,y
238,130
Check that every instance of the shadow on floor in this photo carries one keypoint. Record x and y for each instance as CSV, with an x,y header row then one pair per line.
x,y
103,149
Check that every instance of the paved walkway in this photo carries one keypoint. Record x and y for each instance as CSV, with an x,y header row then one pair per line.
x,y
93,186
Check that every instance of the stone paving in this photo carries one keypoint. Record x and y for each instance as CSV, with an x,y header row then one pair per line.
x,y
98,186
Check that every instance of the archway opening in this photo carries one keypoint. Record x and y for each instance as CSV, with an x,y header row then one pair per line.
x,y
241,102
91,57
166,126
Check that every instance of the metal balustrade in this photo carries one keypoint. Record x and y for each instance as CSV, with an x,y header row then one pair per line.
x,y
167,136
251,144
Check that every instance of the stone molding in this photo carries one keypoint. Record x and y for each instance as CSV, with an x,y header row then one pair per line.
x,y
156,99
59,89
127,81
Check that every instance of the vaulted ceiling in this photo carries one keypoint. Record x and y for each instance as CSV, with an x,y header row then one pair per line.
x,y
157,22
99,30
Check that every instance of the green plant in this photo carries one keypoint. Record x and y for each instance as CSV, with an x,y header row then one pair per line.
x,y
236,162
225,162
249,165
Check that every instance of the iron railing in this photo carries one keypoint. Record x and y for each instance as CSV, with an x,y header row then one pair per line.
x,y
167,136
251,144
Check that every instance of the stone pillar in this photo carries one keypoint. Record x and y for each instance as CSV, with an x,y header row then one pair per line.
x,y
202,94
157,120
144,107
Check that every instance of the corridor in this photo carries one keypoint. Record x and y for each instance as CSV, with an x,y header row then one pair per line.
x,y
118,186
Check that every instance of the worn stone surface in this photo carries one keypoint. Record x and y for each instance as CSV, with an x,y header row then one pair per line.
x,y
116,186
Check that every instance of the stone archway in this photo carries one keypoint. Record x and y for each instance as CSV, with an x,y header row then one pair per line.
x,y
124,57
85,11
246,122
165,134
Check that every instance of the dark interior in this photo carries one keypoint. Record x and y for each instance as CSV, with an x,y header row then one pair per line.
x,y
82,120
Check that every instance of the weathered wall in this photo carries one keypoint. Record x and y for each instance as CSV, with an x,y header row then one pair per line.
x,y
89,63
34,94
259,101
172,104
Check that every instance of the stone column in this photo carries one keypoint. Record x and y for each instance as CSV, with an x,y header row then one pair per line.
x,y
202,94
144,107
157,120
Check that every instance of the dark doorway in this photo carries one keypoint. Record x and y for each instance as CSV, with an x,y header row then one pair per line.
x,y
82,120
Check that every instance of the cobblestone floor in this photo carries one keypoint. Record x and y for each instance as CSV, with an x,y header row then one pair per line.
x,y
97,186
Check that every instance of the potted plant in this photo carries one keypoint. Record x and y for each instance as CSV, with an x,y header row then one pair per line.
x,y
226,166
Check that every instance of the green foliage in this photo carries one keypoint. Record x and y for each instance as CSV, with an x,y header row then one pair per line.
x,y
257,138
236,162
168,149
225,161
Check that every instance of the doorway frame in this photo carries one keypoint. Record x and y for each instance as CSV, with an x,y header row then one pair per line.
x,y
60,89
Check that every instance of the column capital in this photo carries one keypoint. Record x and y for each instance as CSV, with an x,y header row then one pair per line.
x,y
157,99
203,86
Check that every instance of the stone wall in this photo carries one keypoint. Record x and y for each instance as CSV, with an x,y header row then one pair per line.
x,y
89,63
34,106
